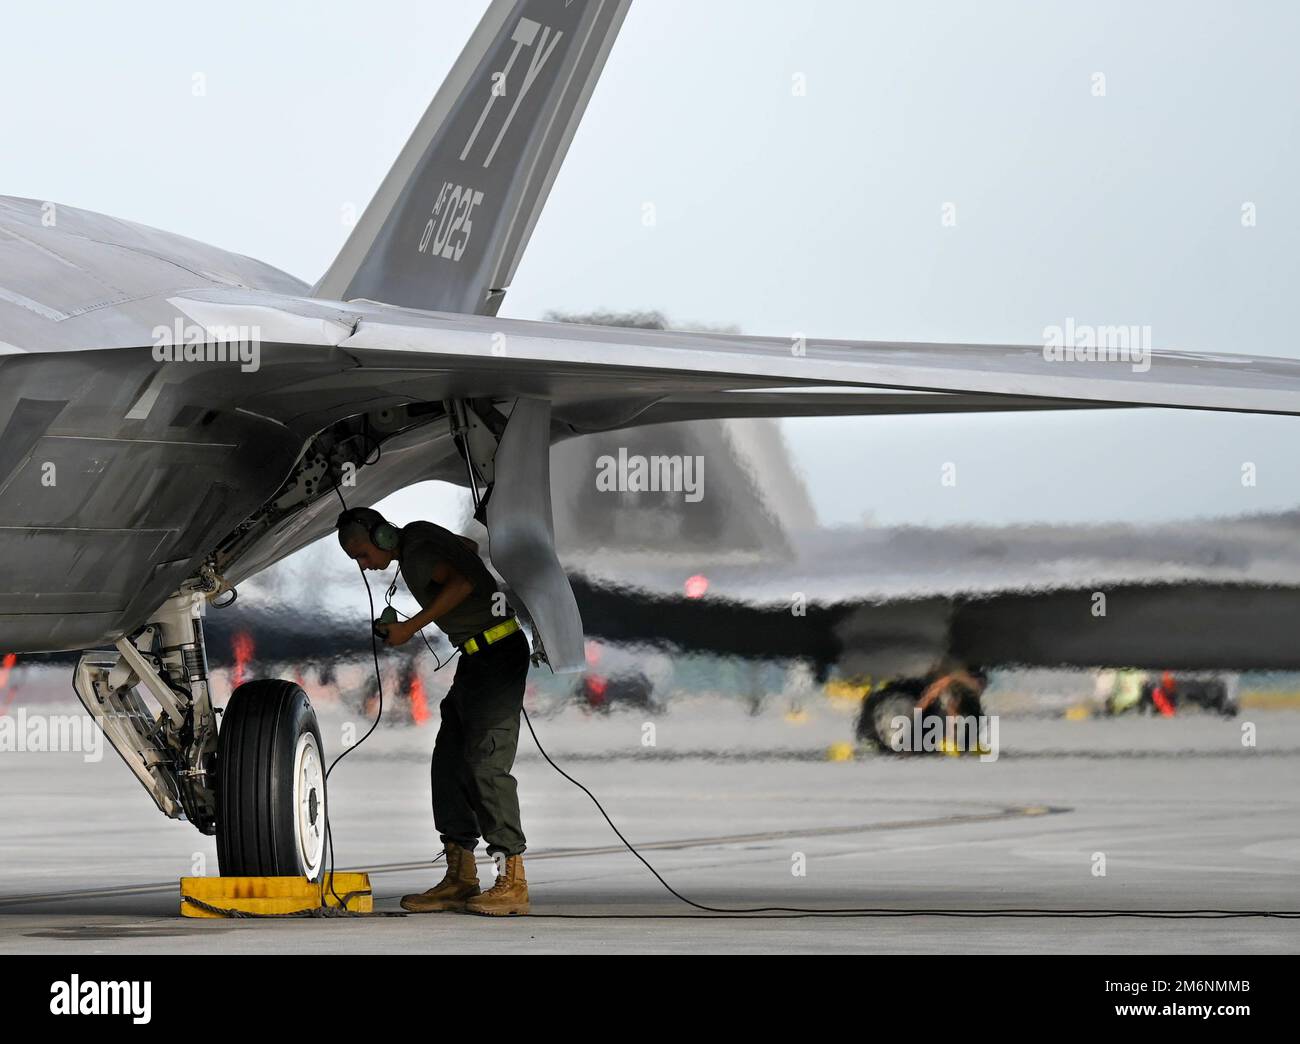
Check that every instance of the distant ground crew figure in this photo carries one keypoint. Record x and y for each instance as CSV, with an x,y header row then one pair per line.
x,y
474,794
957,693
1125,691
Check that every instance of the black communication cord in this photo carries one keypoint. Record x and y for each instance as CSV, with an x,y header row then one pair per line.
x,y
388,600
328,871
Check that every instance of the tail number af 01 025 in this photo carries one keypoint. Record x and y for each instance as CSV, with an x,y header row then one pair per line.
x,y
447,231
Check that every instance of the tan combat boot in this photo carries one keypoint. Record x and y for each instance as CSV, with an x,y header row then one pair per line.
x,y
508,896
459,884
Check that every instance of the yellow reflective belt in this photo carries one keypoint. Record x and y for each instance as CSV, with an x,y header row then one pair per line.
x,y
492,634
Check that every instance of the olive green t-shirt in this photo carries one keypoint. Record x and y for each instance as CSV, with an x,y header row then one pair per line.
x,y
422,546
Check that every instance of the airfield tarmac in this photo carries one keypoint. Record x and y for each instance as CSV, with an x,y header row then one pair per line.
x,y
723,805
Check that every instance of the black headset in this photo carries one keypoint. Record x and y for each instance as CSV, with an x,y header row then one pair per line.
x,y
383,534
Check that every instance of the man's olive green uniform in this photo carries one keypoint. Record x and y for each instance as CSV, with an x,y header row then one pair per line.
x,y
474,794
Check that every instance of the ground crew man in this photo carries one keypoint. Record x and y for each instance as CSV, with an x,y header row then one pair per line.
x,y
474,794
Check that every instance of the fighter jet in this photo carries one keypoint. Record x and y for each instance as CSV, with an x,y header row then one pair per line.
x,y
177,418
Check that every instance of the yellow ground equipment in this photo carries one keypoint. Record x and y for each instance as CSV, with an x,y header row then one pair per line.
x,y
275,896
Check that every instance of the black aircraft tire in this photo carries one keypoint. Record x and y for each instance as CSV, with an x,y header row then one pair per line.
x,y
270,784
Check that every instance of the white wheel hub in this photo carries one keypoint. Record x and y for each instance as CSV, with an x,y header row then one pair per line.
x,y
309,804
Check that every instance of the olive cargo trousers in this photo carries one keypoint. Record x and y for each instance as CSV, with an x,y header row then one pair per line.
x,y
474,794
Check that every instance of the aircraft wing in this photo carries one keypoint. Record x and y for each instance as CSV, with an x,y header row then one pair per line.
x,y
598,378
328,359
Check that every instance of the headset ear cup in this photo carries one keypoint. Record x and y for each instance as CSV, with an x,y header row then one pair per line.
x,y
386,538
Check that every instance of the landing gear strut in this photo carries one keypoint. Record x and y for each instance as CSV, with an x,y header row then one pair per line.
x,y
171,751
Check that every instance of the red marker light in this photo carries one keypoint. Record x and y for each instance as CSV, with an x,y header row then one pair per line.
x,y
243,649
419,701
696,586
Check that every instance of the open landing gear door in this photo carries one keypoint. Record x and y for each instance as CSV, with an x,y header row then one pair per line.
x,y
521,536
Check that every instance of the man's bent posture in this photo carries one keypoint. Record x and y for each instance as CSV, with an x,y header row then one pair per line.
x,y
474,794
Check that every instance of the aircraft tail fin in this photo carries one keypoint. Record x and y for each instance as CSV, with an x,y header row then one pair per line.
x,y
449,223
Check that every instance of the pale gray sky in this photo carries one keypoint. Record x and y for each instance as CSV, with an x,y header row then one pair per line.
x,y
817,213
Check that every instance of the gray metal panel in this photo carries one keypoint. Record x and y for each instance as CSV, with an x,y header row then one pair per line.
x,y
522,537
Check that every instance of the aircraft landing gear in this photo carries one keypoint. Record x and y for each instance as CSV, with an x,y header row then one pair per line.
x,y
258,784
172,751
